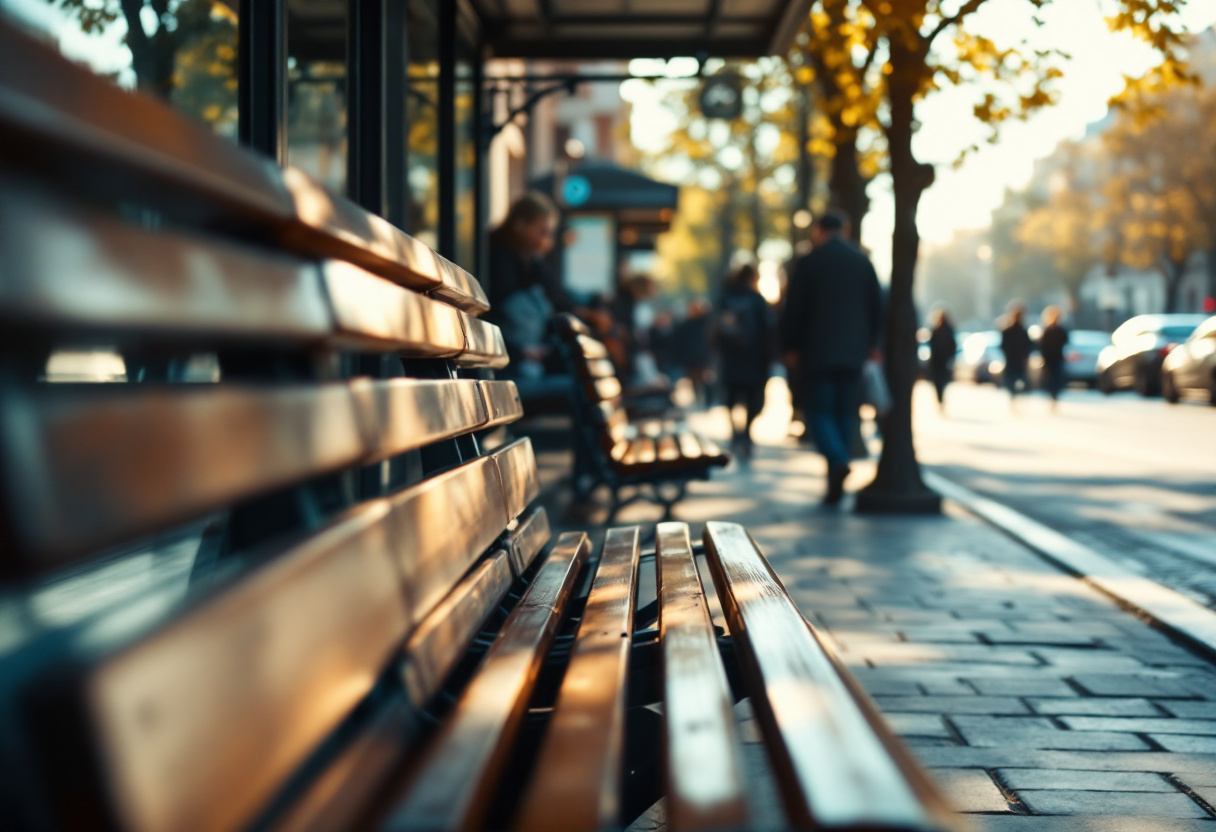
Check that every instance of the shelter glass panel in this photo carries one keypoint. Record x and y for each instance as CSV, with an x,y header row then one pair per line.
x,y
422,110
187,56
466,154
316,90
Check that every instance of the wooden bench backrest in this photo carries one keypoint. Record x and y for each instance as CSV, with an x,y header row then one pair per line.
x,y
315,520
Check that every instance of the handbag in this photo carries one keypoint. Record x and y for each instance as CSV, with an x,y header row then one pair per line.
x,y
874,390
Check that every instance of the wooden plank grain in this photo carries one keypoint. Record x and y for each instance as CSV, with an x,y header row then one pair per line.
x,y
442,638
202,720
517,468
375,312
460,770
120,460
705,784
576,784
836,767
502,402
141,284
484,346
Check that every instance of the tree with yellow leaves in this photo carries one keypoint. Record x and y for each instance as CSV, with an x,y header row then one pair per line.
x,y
1159,199
188,58
907,49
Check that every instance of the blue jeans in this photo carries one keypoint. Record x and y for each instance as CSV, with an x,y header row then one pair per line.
x,y
831,411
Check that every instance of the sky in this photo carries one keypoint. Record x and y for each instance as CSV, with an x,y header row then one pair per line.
x,y
964,198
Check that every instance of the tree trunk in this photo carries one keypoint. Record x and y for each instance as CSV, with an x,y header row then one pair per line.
x,y
1172,272
846,183
757,209
898,487
153,59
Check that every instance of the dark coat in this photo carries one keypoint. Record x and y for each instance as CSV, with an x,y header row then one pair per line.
x,y
833,311
1052,343
942,346
746,335
1015,343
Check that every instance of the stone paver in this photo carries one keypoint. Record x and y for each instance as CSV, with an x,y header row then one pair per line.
x,y
952,704
1141,725
970,790
1014,732
1050,778
1151,804
1082,706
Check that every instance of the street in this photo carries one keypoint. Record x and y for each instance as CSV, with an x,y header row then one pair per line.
x,y
1133,478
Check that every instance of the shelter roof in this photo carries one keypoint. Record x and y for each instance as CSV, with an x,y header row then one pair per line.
x,y
639,28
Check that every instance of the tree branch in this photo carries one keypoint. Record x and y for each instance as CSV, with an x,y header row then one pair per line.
x,y
968,8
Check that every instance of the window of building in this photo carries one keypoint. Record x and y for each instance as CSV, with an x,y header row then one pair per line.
x,y
188,56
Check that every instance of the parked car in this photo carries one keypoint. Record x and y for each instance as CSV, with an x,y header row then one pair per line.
x,y
1138,347
1192,366
1080,358
980,360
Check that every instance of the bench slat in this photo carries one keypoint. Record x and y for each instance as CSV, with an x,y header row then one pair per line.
x,y
374,312
139,282
837,767
502,402
441,640
577,780
591,348
604,389
527,541
517,467
199,722
121,460
484,346
705,784
67,122
668,450
404,414
597,368
442,525
460,770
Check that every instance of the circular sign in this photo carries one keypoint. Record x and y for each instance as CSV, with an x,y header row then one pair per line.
x,y
722,97
576,190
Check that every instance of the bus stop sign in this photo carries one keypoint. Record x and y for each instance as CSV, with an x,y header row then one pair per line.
x,y
721,97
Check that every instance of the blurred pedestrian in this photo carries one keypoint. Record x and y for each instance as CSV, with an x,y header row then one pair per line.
x,y
692,334
1052,342
832,323
663,343
524,296
1015,344
942,348
745,336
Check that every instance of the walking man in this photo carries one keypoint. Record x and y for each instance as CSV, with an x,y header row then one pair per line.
x,y
1015,344
832,321
745,335
1052,342
942,347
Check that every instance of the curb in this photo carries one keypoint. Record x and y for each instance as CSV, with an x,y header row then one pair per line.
x,y
1170,610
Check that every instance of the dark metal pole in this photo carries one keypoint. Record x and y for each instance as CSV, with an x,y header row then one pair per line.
x,y
396,124
262,77
365,56
447,130
481,168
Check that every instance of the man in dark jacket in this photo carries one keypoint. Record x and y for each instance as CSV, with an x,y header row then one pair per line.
x,y
745,340
1015,344
833,317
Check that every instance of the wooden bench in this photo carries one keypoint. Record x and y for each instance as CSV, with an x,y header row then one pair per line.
x,y
654,458
263,574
